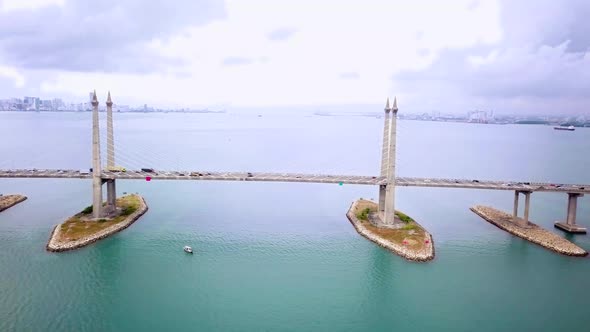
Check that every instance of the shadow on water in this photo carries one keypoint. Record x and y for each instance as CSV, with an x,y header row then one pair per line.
x,y
380,282
107,257
569,236
518,246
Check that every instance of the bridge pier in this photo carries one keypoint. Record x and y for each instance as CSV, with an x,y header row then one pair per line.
x,y
381,200
522,222
527,203
111,196
570,225
515,212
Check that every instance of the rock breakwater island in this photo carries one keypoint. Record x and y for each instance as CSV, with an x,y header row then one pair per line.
x,y
408,239
80,230
7,201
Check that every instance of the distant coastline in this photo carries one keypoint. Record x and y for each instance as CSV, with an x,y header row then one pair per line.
x,y
415,117
117,111
499,121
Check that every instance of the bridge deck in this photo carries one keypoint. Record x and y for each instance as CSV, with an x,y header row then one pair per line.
x,y
296,177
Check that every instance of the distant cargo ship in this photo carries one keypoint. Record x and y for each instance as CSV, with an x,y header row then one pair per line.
x,y
570,128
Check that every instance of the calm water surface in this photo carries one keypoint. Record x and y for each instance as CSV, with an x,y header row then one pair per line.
x,y
283,256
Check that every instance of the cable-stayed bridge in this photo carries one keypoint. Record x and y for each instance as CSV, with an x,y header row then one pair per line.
x,y
296,177
386,180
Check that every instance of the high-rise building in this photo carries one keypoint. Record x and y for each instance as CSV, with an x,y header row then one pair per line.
x,y
30,103
46,105
58,104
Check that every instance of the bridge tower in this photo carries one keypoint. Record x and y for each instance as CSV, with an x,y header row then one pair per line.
x,y
111,189
96,171
387,191
384,158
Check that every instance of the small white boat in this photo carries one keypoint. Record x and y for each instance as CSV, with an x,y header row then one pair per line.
x,y
188,249
570,128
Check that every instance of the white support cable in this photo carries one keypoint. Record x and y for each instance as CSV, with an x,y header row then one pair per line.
x,y
134,158
128,159
131,163
147,158
141,159
400,158
131,160
127,163
148,153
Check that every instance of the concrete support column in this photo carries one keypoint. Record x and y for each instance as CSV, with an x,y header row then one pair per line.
x,y
527,201
111,195
96,171
572,205
515,212
570,223
389,213
381,200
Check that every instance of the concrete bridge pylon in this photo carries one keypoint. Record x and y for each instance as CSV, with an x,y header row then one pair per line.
x,y
388,153
111,188
96,170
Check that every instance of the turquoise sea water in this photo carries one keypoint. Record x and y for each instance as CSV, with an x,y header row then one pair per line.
x,y
283,256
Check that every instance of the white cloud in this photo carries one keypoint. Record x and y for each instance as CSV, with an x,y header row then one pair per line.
x,y
529,78
9,5
478,60
19,79
374,39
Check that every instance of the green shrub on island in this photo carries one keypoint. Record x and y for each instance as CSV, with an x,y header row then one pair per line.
x,y
364,214
409,227
403,217
87,210
128,210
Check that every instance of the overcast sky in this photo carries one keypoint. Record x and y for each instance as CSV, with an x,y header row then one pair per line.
x,y
528,56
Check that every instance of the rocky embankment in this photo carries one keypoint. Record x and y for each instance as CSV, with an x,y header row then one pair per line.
x,y
7,201
532,232
412,244
57,243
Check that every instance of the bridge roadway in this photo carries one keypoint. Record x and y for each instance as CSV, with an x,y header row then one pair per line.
x,y
296,177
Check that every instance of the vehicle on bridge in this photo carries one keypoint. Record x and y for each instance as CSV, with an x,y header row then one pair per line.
x,y
147,170
116,169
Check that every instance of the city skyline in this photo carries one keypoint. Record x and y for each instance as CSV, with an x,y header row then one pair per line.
x,y
527,57
32,104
